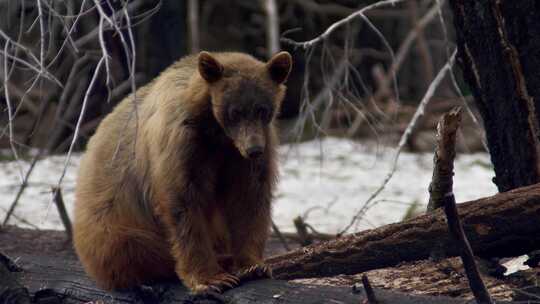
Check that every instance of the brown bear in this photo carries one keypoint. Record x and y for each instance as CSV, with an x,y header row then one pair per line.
x,y
178,179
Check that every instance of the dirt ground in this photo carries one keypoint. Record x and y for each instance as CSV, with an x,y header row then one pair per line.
x,y
15,241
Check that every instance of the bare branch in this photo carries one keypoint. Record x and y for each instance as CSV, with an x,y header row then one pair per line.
x,y
61,206
41,70
407,43
132,6
42,37
272,27
81,117
481,294
333,27
280,236
403,140
23,186
193,26
69,33
340,10
370,294
10,111
301,229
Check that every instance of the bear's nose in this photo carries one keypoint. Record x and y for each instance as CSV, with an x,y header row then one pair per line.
x,y
255,151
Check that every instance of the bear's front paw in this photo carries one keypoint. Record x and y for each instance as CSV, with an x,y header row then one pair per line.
x,y
217,283
258,271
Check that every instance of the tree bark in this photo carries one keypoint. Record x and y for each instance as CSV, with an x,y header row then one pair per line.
x,y
499,54
504,225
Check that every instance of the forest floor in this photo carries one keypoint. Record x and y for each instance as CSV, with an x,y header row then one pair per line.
x,y
443,278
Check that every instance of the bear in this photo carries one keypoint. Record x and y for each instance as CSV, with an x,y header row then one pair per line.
x,y
178,179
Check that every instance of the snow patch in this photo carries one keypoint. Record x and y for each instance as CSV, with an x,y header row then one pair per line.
x,y
326,181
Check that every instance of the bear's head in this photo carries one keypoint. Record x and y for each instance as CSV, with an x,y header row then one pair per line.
x,y
246,96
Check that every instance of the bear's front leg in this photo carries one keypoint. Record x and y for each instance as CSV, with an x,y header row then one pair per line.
x,y
249,240
191,247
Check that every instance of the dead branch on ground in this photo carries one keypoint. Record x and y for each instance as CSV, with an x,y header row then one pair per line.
x,y
488,222
441,195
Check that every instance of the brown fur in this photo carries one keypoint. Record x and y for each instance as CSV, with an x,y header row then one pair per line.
x,y
165,187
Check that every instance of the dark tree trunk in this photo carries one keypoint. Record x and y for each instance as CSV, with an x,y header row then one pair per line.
x,y
499,54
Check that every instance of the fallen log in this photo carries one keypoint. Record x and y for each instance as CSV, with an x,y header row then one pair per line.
x,y
503,225
424,278
52,280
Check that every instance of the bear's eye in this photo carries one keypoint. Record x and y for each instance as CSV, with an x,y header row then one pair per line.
x,y
264,113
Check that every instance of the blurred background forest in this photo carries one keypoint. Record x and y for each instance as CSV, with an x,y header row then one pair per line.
x,y
370,82
346,82
65,64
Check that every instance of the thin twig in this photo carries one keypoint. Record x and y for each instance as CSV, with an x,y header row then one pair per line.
x,y
10,112
476,283
422,46
73,83
42,70
39,71
119,22
414,34
104,50
24,183
78,125
345,93
293,236
370,294
20,219
61,206
132,6
67,28
442,195
193,26
79,121
334,26
42,36
280,236
131,68
272,27
301,228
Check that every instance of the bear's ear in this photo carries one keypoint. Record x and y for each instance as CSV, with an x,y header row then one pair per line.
x,y
209,68
280,66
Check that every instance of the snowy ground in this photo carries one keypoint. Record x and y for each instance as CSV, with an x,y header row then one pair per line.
x,y
325,181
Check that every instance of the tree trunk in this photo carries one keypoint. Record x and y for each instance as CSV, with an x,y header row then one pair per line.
x,y
499,54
